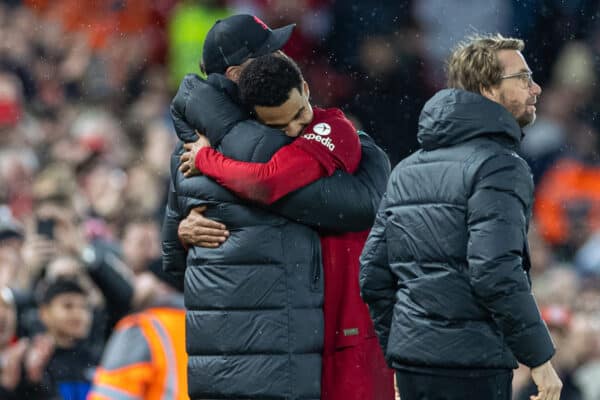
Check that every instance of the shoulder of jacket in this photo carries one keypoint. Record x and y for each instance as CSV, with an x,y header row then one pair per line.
x,y
496,158
129,321
250,135
481,150
129,345
204,92
142,320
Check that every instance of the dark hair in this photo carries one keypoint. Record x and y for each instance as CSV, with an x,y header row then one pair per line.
x,y
61,286
268,80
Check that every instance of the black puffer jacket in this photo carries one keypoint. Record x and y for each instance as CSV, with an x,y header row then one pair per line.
x,y
254,325
444,270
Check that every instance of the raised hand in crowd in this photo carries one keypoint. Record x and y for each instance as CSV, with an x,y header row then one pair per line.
x,y
11,361
67,232
54,231
37,357
38,251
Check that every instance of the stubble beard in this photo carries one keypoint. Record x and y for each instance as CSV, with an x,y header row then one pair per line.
x,y
518,111
526,118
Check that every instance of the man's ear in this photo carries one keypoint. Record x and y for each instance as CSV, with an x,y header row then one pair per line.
x,y
233,73
490,92
305,89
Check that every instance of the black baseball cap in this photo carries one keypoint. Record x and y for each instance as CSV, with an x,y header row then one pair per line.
x,y
233,40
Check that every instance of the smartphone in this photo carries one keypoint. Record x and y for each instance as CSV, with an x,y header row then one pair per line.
x,y
45,227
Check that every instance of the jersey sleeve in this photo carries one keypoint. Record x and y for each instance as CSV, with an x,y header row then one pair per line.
x,y
333,140
289,169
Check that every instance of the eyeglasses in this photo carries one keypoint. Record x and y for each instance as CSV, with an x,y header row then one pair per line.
x,y
525,77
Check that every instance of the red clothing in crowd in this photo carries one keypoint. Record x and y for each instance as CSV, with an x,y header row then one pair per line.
x,y
353,363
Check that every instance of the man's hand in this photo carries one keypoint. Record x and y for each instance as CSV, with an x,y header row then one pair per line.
x,y
187,160
37,252
12,360
547,381
38,356
196,230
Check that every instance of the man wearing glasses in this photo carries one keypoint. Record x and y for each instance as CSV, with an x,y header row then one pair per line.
x,y
445,267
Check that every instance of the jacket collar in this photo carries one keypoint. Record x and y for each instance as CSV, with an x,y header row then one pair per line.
x,y
453,116
221,82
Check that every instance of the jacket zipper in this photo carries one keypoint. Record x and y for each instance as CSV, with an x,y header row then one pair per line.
x,y
316,275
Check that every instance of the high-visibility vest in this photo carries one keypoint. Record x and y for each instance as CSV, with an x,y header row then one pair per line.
x,y
568,196
145,359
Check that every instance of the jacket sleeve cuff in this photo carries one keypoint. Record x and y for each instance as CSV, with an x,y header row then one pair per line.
x,y
534,346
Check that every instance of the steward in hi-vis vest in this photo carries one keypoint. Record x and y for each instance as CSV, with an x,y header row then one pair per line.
x,y
145,358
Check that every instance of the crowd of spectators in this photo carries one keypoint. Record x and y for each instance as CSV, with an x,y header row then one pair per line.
x,y
85,140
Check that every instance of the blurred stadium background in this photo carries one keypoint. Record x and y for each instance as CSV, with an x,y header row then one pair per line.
x,y
85,88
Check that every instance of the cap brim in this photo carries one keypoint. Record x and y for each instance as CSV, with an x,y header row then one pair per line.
x,y
278,38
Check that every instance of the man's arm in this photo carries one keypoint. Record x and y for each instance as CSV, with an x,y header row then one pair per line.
x,y
174,254
185,131
341,202
497,214
112,276
289,169
377,282
323,204
195,229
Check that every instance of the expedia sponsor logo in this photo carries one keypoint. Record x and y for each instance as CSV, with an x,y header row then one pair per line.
x,y
319,130
325,141
322,129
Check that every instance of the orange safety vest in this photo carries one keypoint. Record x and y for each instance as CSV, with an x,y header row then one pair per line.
x,y
568,183
145,358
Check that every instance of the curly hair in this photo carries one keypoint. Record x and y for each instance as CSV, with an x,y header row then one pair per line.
x,y
474,64
268,80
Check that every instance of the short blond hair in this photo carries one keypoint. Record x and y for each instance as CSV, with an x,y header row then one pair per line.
x,y
474,63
